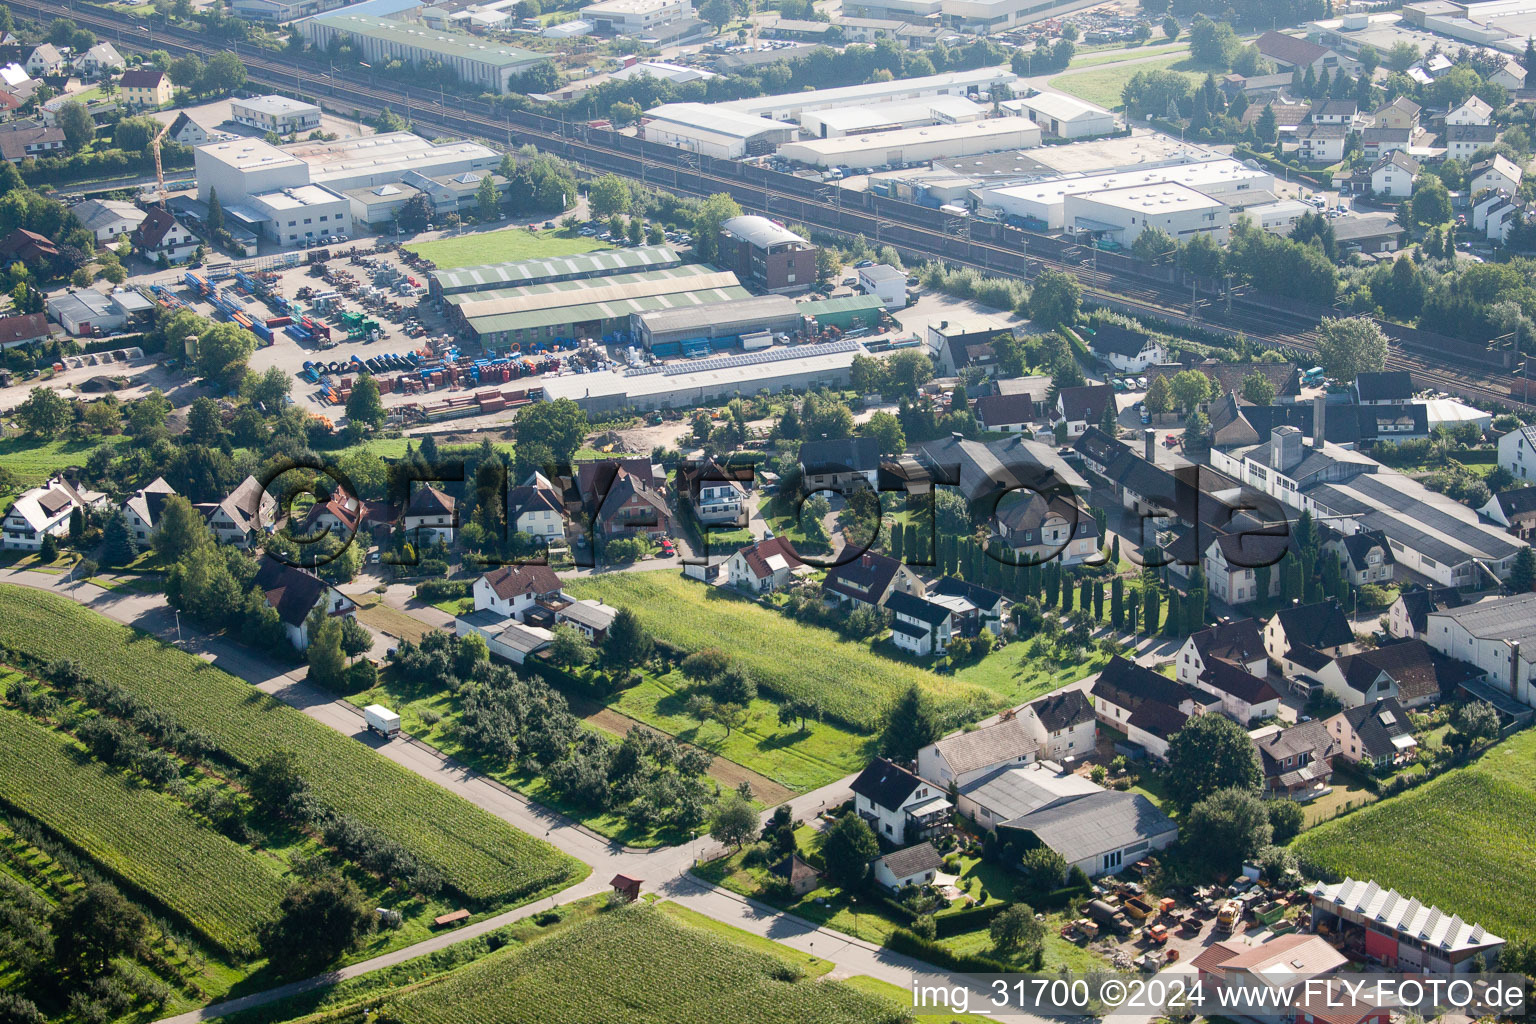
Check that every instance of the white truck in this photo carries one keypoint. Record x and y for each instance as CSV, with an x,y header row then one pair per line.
x,y
382,721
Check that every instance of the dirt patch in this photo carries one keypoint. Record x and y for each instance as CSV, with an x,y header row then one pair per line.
x,y
728,773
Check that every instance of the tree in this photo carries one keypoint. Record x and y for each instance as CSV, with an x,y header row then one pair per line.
x,y
1233,826
608,194
223,74
1431,202
1267,127
561,425
1017,930
1351,346
365,406
1043,869
44,413
1522,574
327,661
1171,28
570,648
712,213
215,219
717,12
77,125
1477,720
316,922
488,200
118,546
186,72
627,644
181,530
222,351
275,780
733,822
909,726
1055,299
1210,753
1190,388
1286,819
356,640
885,428
92,926
908,370
1153,244
799,709
846,849
1159,397
1258,389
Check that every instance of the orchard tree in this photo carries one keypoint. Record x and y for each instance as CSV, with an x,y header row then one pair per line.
x,y
44,413
733,821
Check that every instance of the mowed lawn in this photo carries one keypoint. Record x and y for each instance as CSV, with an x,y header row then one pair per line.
x,y
1461,842
503,246
34,461
1103,85
482,857
852,682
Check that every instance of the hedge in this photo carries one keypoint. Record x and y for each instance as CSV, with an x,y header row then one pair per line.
x,y
433,591
903,940
962,921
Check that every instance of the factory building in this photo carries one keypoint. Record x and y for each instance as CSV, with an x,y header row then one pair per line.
x,y
702,328
490,65
1067,117
242,168
714,129
1120,214
634,17
583,266
534,315
302,214
275,114
888,117
915,145
982,16
1042,203
790,106
710,381
766,254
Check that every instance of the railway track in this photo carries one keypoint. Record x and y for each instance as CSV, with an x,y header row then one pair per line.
x,y
1117,287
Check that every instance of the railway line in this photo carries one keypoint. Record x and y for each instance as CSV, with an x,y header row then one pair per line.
x,y
1113,280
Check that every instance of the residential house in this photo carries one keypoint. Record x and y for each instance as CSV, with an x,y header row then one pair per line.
x,y
44,511
900,807
1420,674
1237,641
190,133
1379,143
505,638
1401,933
1147,706
975,607
1245,697
141,88
1297,762
1318,143
1366,557
1082,407
1511,76
23,329
1393,174
1042,529
101,59
108,219
1408,618
1400,113
1377,735
1100,833
340,514
534,508
916,865
870,580
1124,349
1304,637
1463,140
29,247
1517,452
241,516
983,471
431,516
1005,414
1236,562
1496,214
1288,52
142,509
295,593
1514,510
512,591
588,617
1497,173
1062,725
161,235
839,464
764,566
719,496
45,60
624,499
919,626
963,757
1332,111
1473,110
29,139
1386,387
1250,973
800,876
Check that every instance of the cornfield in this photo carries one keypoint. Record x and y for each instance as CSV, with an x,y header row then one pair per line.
x,y
1461,842
637,966
481,856
851,682
219,888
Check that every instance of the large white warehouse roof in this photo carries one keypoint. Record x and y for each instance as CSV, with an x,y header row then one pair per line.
x,y
915,145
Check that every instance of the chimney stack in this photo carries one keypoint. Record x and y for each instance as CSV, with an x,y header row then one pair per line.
x,y
1285,444
1149,444
866,560
1514,668
1319,421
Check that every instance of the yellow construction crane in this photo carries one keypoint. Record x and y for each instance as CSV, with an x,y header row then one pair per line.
x,y
159,171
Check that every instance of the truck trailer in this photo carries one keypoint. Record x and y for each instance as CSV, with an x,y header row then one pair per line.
x,y
382,721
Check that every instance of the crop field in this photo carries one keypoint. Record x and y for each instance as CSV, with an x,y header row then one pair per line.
x,y
851,681
481,856
636,965
1461,842
222,890
503,246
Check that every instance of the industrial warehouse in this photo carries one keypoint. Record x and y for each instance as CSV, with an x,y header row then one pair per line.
x,y
915,145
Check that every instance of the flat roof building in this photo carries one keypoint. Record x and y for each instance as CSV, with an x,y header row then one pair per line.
x,y
485,63
884,117
1123,213
303,213
278,114
634,17
915,145
714,130
1067,117
789,106
1044,201
767,254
